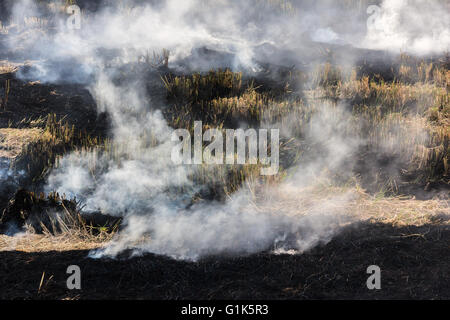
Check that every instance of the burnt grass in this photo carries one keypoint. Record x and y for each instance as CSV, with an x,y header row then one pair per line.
x,y
30,100
413,260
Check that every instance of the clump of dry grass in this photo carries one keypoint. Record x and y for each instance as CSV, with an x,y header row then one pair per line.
x,y
4,99
403,211
13,140
250,107
198,87
56,139
53,216
406,119
8,67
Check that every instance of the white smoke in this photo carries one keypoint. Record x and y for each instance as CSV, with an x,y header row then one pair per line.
x,y
234,227
286,218
122,36
159,221
138,181
415,26
4,169
141,170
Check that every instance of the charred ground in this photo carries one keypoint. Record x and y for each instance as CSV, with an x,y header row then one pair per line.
x,y
412,260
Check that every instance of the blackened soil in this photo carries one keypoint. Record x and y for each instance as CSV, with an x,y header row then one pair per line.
x,y
413,260
33,100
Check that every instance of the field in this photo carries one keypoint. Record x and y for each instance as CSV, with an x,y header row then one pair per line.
x,y
86,176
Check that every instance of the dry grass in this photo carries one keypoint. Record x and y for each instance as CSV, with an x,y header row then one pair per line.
x,y
13,141
8,67
27,242
56,138
401,211
408,121
353,204
51,223
348,205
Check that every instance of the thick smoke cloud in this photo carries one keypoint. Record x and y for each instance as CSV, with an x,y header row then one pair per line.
x,y
243,31
416,26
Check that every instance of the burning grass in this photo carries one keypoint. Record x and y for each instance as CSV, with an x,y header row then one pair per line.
x,y
408,123
53,214
70,231
385,115
399,116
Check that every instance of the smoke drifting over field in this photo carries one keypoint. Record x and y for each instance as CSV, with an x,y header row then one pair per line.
x,y
420,27
138,187
244,30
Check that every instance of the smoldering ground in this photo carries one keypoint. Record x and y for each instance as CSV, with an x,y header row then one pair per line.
x,y
140,186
